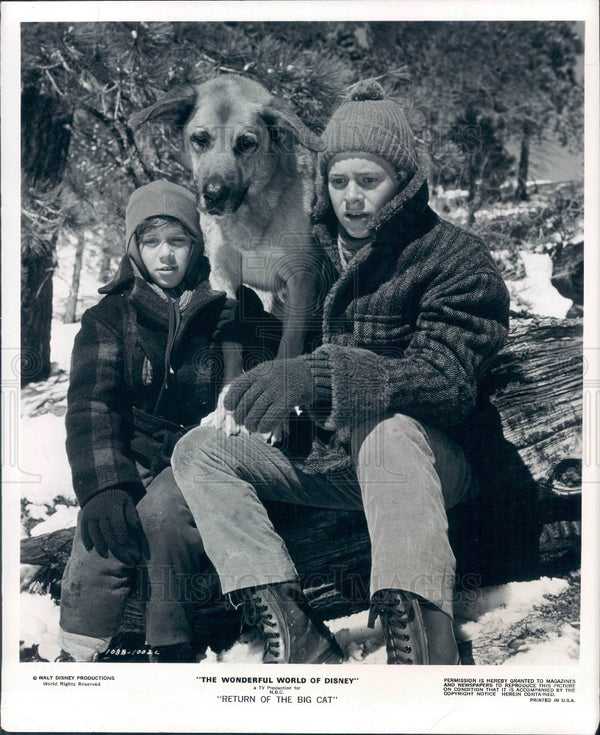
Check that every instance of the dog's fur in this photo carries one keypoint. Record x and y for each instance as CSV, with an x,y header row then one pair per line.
x,y
253,195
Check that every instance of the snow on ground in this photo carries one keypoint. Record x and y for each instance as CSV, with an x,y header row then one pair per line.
x,y
42,437
43,448
504,623
61,343
39,624
508,624
558,649
64,516
535,289
494,623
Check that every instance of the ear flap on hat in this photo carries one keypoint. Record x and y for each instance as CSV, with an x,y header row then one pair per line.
x,y
176,105
278,114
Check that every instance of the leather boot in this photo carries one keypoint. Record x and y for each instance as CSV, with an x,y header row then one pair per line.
x,y
414,633
443,649
291,631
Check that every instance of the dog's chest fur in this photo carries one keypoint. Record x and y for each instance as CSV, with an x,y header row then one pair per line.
x,y
254,244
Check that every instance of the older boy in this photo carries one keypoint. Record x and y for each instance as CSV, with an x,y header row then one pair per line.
x,y
414,317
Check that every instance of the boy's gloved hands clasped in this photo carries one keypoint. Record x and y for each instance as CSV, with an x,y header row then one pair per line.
x,y
110,522
263,398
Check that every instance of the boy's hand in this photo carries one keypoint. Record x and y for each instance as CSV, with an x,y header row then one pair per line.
x,y
110,522
245,308
264,397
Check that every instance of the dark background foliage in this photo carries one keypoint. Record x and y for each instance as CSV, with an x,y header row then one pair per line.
x,y
475,93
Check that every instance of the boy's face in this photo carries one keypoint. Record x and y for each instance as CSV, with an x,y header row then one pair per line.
x,y
359,185
165,251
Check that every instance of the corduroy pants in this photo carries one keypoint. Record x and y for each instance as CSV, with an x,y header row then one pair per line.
x,y
405,477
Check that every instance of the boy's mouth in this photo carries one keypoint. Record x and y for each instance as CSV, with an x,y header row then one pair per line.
x,y
358,218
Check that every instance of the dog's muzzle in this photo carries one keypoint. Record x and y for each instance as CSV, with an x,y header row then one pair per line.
x,y
220,198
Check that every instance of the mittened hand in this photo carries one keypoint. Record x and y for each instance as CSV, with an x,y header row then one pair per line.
x,y
262,399
227,320
246,307
110,522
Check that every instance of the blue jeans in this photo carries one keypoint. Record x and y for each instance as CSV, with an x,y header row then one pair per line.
x,y
405,476
95,589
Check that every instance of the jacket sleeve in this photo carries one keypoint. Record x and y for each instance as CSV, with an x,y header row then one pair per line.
x,y
95,444
462,324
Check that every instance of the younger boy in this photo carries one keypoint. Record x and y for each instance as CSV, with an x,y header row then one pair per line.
x,y
145,365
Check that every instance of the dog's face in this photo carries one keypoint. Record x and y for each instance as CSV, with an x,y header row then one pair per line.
x,y
237,135
233,152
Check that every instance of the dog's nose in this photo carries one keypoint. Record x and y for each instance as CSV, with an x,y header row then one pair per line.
x,y
215,193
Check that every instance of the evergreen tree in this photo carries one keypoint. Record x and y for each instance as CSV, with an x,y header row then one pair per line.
x,y
81,83
469,89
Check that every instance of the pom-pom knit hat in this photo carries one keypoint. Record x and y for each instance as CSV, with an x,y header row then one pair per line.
x,y
370,123
162,198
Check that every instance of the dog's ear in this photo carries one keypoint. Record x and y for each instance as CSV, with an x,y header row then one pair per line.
x,y
176,106
278,114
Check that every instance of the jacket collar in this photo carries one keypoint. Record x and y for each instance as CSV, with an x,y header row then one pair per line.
x,y
124,275
147,301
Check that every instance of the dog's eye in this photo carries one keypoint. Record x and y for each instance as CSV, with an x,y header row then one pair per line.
x,y
200,140
246,142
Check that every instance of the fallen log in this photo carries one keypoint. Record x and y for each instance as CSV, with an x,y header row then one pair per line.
x,y
524,522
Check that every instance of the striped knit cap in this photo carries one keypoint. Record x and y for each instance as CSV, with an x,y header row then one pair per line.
x,y
370,123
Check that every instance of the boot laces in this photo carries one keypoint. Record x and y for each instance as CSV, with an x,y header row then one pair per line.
x,y
256,613
395,617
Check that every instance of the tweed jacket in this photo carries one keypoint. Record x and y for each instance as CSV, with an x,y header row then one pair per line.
x,y
125,357
411,325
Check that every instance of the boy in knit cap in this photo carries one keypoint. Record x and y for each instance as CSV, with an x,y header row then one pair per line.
x,y
415,314
144,367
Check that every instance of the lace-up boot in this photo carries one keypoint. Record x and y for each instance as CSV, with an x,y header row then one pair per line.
x,y
291,631
414,633
402,625
64,658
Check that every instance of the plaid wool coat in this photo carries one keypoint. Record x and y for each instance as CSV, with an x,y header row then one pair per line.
x,y
411,325
121,362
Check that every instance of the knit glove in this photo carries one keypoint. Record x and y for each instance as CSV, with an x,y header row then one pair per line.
x,y
246,307
110,522
263,398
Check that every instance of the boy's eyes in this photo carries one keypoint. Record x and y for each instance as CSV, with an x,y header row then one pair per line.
x,y
366,181
177,242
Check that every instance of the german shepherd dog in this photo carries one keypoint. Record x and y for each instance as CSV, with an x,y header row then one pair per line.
x,y
254,190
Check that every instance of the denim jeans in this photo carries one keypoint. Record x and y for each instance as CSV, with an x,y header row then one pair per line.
x,y
405,476
95,589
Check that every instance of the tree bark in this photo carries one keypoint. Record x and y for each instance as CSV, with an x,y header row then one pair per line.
x,y
36,316
521,192
45,137
524,522
70,316
105,267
